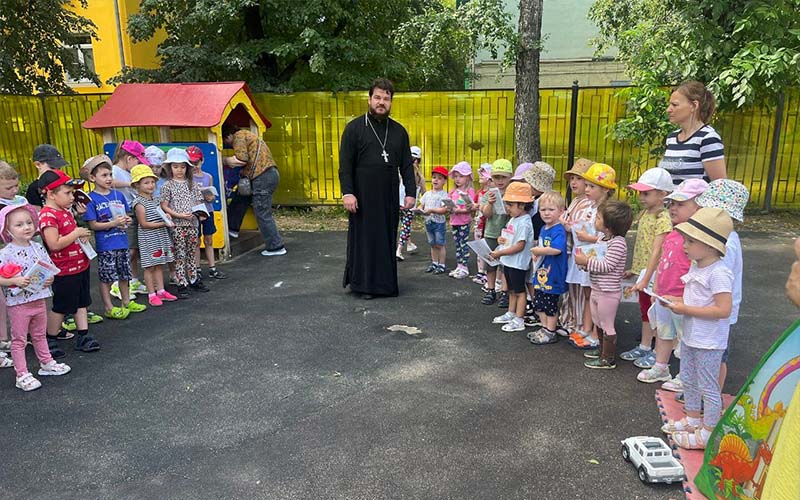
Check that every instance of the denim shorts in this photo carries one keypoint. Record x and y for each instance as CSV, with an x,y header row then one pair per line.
x,y
436,232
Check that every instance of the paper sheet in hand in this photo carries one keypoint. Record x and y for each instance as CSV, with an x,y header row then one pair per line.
x,y
165,217
482,250
39,273
650,292
499,207
87,249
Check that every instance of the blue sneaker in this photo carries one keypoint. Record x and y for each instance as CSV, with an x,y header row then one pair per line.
x,y
646,361
634,354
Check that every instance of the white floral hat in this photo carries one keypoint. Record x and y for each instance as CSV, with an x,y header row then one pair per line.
x,y
727,195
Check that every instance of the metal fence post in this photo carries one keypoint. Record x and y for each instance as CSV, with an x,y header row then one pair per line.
x,y
573,123
773,155
42,97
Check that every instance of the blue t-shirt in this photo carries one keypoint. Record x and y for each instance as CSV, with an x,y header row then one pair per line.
x,y
552,274
104,208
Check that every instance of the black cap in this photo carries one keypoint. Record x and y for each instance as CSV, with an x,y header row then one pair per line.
x,y
47,153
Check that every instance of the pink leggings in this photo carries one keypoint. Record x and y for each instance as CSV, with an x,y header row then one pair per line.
x,y
30,317
3,315
604,309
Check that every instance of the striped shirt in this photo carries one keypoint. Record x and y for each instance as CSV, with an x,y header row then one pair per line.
x,y
684,159
606,274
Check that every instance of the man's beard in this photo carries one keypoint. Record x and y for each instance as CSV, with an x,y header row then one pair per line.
x,y
379,116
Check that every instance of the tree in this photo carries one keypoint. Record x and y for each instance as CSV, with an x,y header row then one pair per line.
x,y
313,45
746,51
34,35
526,101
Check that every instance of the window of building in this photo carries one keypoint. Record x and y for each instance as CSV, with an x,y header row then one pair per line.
x,y
81,46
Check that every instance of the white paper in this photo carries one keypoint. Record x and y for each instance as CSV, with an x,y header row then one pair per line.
x,y
87,249
39,273
499,206
200,207
627,295
482,250
165,217
651,293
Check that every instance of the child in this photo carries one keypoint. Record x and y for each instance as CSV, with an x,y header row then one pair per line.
x,y
654,224
45,158
155,245
207,227
540,176
406,214
9,187
71,292
515,253
107,217
600,184
501,176
27,309
731,197
570,316
128,155
464,205
613,220
178,195
433,207
549,277
485,180
155,157
672,265
706,307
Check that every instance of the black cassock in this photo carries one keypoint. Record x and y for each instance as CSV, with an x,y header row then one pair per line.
x,y
372,232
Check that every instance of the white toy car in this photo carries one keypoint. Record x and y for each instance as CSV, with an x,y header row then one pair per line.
x,y
653,460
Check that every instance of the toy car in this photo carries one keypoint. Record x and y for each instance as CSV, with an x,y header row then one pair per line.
x,y
653,460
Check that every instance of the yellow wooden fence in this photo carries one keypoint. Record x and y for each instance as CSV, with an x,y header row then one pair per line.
x,y
476,126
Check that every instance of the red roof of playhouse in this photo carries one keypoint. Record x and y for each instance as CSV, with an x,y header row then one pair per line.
x,y
168,105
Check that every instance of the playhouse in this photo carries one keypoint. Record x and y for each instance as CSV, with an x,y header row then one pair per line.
x,y
169,106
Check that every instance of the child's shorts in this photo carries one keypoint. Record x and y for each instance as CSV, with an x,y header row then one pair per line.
x,y
71,293
207,227
114,265
515,279
492,242
546,303
668,325
436,233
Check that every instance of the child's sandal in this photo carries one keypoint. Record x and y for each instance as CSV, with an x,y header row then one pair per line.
x,y
689,440
681,425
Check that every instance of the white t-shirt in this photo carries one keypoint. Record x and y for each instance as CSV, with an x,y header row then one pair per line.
x,y
120,174
518,229
733,261
702,283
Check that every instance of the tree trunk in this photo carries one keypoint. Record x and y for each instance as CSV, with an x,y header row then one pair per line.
x,y
526,101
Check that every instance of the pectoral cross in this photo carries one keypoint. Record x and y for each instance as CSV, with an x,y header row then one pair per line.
x,y
385,156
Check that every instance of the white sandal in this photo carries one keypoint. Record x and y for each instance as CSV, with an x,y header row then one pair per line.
x,y
5,361
27,382
681,425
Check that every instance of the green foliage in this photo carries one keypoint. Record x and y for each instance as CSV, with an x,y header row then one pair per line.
x,y
284,45
32,55
746,51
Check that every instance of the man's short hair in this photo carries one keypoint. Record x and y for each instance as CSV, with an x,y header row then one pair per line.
x,y
383,84
228,129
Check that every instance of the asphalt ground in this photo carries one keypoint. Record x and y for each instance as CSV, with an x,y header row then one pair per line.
x,y
278,384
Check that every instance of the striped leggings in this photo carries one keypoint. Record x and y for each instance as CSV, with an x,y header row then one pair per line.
x,y
460,237
406,216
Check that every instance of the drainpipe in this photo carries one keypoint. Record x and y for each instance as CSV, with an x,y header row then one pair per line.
x,y
119,35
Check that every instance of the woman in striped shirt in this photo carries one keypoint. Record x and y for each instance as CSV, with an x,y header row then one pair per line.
x,y
695,150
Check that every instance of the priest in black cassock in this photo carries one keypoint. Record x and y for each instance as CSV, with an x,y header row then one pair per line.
x,y
374,148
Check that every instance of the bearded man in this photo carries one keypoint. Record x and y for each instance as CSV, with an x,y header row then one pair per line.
x,y
373,150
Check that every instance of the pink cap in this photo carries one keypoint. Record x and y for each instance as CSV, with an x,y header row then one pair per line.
x,y
136,149
462,168
688,190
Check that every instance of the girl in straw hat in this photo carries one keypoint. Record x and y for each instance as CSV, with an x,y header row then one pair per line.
x,y
706,309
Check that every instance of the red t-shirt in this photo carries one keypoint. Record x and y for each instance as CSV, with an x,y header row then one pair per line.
x,y
70,260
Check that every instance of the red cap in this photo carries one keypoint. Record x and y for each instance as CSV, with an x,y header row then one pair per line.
x,y
440,170
195,154
54,178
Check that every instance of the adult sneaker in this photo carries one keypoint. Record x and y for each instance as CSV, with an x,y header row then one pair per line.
x,y
654,374
505,318
54,369
515,325
646,361
272,253
634,354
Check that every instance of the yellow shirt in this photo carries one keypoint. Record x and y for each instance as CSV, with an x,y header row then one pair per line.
x,y
650,225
